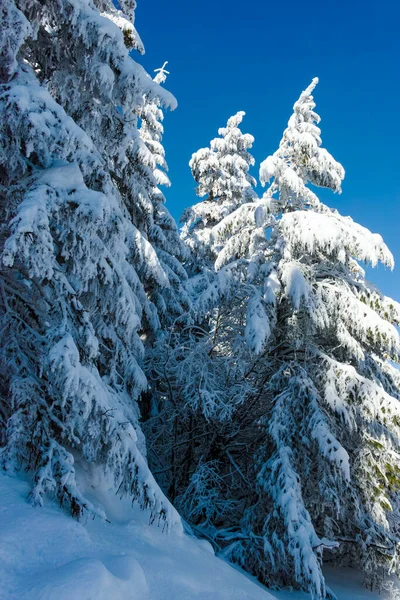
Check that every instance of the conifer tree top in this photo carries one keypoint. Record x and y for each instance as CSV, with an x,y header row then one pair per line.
x,y
222,174
300,159
222,170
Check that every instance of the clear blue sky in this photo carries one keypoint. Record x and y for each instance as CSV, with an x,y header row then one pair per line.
x,y
257,56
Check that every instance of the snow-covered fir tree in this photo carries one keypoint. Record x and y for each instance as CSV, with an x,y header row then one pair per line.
x,y
328,470
228,250
202,372
76,259
172,301
222,174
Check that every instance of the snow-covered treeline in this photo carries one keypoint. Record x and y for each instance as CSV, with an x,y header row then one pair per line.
x,y
242,374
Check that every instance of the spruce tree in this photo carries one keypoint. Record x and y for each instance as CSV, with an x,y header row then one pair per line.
x,y
172,301
226,234
222,174
76,250
221,290
198,372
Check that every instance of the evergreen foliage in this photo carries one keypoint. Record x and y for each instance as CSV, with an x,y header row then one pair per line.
x,y
263,363
172,300
77,257
323,477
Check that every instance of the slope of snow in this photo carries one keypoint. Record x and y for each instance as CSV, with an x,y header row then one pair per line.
x,y
47,555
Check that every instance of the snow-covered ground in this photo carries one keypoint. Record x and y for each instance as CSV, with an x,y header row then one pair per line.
x,y
347,584
47,555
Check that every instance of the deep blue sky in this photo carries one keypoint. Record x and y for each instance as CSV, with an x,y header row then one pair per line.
x,y
257,56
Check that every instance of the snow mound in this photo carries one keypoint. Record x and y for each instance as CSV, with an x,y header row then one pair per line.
x,y
117,577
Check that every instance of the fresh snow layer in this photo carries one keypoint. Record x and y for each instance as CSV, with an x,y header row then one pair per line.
x,y
47,555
